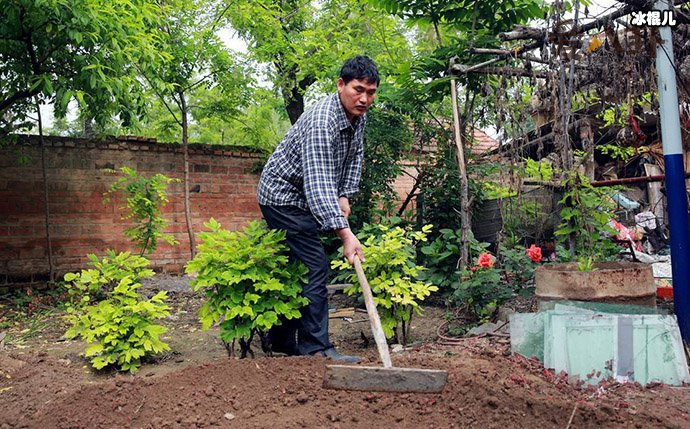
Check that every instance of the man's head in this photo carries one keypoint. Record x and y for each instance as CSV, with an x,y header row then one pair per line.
x,y
357,85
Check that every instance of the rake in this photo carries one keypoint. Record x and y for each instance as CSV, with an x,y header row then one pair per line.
x,y
387,378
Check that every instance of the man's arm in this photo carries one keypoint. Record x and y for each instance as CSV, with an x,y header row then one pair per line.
x,y
320,182
344,204
351,245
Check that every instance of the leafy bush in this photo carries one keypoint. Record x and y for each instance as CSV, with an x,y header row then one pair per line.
x,y
481,290
96,283
585,221
390,138
393,276
517,266
248,280
540,170
120,328
441,258
334,246
480,287
143,198
439,192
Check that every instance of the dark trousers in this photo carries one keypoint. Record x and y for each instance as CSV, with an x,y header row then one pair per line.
x,y
302,237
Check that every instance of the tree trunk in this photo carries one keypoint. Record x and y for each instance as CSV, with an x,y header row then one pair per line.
x,y
293,93
464,187
87,128
417,184
185,149
46,206
294,104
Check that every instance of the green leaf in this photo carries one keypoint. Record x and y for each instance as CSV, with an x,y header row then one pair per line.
x,y
93,349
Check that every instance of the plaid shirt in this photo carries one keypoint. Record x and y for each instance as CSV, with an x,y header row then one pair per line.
x,y
318,160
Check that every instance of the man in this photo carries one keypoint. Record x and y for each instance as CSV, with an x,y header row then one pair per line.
x,y
305,188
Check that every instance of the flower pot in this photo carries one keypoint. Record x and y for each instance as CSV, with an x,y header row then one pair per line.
x,y
617,282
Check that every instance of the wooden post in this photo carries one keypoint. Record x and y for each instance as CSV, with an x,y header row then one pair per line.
x,y
46,204
464,187
656,198
587,139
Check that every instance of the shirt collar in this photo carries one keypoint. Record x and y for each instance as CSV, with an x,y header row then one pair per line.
x,y
343,122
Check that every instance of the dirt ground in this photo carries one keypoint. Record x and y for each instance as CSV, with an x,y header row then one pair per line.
x,y
46,383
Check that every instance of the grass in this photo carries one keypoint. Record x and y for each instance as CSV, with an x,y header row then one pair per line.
x,y
26,313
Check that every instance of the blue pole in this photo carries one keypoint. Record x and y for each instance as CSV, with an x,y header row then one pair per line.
x,y
676,198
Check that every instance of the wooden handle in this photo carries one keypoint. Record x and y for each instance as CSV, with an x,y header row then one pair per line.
x,y
374,319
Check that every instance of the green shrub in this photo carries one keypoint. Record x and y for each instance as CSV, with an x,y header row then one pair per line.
x,y
442,256
481,289
393,276
96,283
120,328
488,283
517,267
143,198
248,281
585,221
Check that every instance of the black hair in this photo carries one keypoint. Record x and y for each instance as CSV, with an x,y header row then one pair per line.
x,y
360,67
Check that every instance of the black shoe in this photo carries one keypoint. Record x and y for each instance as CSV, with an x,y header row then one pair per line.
x,y
285,351
331,353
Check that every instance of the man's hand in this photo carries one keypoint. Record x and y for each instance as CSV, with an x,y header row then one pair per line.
x,y
344,204
351,246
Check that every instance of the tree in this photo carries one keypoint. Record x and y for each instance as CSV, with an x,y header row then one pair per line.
x,y
305,42
197,61
59,50
456,25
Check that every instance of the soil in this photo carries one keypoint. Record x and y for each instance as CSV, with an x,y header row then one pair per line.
x,y
46,383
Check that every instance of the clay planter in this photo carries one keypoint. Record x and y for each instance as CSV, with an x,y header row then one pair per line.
x,y
624,282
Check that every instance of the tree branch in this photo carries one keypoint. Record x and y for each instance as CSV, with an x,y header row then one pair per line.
x,y
460,69
160,96
17,96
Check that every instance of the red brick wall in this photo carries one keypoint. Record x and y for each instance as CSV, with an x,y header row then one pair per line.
x,y
81,224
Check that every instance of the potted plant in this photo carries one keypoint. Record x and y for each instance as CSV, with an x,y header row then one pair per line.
x,y
589,272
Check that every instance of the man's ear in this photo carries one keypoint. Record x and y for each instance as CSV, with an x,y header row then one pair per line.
x,y
341,84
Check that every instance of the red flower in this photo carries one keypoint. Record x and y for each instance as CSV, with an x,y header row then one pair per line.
x,y
485,260
534,253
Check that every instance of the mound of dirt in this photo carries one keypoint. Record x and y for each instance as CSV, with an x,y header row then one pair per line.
x,y
46,383
484,390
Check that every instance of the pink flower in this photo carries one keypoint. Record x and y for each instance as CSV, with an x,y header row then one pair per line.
x,y
534,253
485,260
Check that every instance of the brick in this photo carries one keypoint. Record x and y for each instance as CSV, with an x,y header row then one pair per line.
x,y
21,231
31,252
81,224
27,207
218,169
201,168
104,165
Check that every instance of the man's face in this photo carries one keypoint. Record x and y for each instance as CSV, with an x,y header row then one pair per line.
x,y
356,96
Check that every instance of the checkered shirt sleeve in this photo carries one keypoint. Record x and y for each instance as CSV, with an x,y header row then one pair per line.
x,y
319,160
